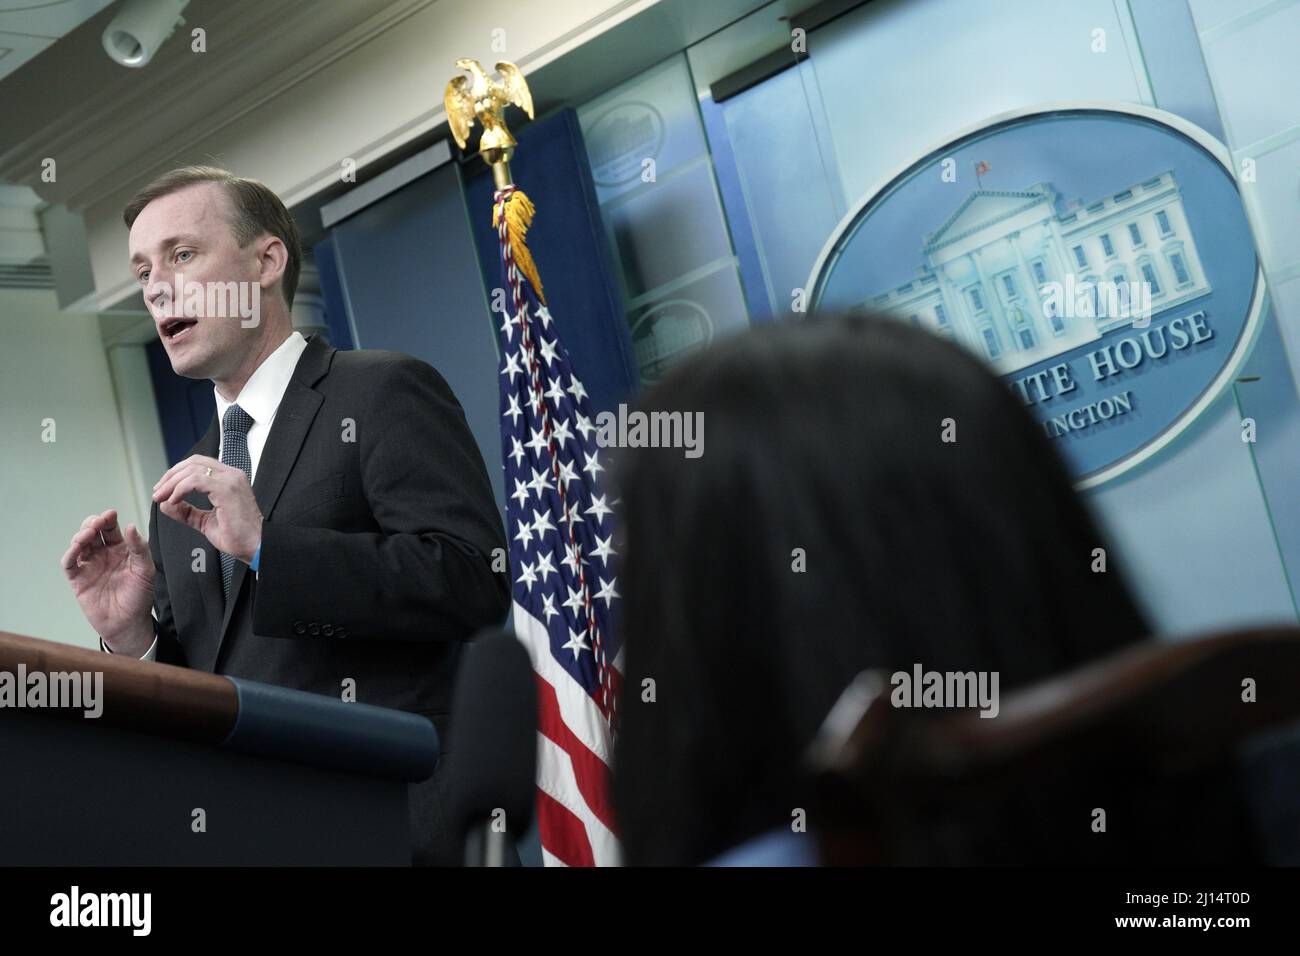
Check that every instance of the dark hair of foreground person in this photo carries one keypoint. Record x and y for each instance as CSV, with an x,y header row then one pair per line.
x,y
824,444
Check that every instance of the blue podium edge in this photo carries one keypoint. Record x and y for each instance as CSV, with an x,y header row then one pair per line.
x,y
286,724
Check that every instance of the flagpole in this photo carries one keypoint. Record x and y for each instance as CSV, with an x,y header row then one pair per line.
x,y
484,100
582,680
499,159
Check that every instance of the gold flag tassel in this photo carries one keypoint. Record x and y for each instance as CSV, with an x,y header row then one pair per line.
x,y
519,212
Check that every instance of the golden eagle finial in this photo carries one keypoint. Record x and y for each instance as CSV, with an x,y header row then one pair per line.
x,y
485,98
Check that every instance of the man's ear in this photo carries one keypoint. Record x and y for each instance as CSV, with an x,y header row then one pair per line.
x,y
273,257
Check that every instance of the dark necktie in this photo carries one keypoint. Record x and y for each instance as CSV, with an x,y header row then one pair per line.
x,y
234,452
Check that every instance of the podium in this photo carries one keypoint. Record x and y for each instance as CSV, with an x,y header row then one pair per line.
x,y
184,767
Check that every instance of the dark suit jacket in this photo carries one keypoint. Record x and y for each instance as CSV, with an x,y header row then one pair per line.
x,y
376,554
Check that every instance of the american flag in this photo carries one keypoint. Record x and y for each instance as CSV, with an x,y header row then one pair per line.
x,y
561,559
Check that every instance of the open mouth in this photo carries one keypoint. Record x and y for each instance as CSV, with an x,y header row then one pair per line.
x,y
174,329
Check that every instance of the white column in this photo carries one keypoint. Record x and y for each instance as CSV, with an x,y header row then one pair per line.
x,y
1029,285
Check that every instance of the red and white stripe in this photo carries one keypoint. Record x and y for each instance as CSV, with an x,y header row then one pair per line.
x,y
574,754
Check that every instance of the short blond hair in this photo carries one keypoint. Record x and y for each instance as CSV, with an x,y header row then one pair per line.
x,y
258,211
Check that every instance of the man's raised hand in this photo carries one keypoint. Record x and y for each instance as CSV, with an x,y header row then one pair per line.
x,y
234,522
112,578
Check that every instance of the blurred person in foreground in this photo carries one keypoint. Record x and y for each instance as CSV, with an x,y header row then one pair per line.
x,y
826,451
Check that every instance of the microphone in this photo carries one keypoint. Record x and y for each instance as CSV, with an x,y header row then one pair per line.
x,y
494,723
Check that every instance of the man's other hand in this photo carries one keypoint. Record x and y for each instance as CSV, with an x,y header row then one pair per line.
x,y
112,577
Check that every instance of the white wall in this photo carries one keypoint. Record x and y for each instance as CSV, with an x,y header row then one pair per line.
x,y
53,366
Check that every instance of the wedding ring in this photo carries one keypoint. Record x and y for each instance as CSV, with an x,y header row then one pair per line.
x,y
208,473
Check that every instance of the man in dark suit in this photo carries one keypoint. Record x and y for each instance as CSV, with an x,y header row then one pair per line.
x,y
349,479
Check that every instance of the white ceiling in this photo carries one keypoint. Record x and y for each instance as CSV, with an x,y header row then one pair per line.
x,y
28,26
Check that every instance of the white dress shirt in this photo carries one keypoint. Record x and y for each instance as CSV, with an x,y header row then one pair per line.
x,y
260,397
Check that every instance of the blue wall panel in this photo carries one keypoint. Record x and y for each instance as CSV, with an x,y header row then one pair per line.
x,y
568,244
1194,527
407,266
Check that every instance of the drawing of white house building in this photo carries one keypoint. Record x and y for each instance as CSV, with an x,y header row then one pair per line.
x,y
988,270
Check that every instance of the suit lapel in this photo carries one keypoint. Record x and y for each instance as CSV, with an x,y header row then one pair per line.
x,y
293,418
